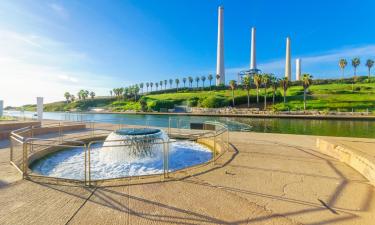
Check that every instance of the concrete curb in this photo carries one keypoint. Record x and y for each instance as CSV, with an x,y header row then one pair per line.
x,y
363,163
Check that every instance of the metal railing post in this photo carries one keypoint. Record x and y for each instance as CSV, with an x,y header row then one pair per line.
x,y
214,152
24,169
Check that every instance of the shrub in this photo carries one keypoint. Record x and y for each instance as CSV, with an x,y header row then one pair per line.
x,y
214,102
192,102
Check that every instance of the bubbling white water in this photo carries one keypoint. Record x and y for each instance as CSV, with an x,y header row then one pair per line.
x,y
132,145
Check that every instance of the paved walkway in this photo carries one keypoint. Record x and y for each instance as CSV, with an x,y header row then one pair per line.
x,y
267,179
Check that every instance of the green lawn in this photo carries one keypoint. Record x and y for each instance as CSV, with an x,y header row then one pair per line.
x,y
334,96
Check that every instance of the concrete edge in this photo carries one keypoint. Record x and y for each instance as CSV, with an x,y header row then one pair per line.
x,y
355,159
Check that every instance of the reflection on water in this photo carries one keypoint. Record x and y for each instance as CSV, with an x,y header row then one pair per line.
x,y
344,128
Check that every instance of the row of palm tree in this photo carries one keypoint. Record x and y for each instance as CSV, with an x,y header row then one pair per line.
x,y
186,80
82,95
355,63
266,81
131,91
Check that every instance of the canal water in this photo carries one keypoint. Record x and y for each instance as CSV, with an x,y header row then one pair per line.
x,y
326,127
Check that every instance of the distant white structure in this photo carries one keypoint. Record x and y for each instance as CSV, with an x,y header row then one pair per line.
x,y
1,107
253,63
220,70
298,69
288,65
39,108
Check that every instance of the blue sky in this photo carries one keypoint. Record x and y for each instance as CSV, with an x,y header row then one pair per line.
x,y
49,47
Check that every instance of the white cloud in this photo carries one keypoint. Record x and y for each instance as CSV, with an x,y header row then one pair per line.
x,y
59,10
32,65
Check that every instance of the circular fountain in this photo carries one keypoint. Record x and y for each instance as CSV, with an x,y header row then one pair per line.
x,y
132,144
124,152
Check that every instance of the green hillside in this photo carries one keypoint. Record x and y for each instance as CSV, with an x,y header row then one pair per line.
x,y
323,95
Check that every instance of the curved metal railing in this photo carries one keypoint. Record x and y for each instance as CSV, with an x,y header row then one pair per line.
x,y
31,143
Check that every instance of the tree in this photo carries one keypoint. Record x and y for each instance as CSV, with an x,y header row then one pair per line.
x,y
184,81
355,63
265,82
170,83
257,81
232,85
274,84
247,84
284,83
306,82
342,64
151,84
369,64
165,84
161,84
156,85
177,82
111,93
210,77
92,95
217,78
136,91
72,98
67,96
191,81
203,78
147,85
197,80
141,87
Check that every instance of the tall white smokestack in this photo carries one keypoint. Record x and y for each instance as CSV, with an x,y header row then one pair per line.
x,y
288,66
220,70
253,64
298,69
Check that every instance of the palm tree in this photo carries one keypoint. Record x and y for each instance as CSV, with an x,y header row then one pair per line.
x,y
177,82
67,96
110,92
342,64
210,77
136,91
355,63
265,82
257,81
161,84
274,84
147,85
165,84
247,84
217,78
170,83
369,64
184,81
284,83
232,85
72,98
203,78
151,84
191,81
141,87
306,82
197,80
156,85
92,95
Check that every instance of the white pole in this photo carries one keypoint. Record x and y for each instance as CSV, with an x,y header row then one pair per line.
x,y
1,107
39,103
288,66
220,47
298,69
253,64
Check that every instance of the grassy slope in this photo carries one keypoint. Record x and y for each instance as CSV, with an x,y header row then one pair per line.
x,y
325,96
321,97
